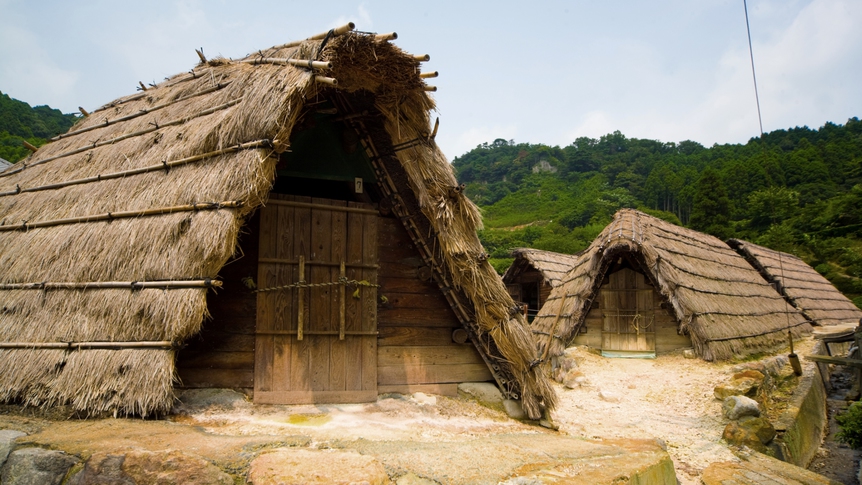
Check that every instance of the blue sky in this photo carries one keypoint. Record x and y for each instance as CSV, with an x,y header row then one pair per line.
x,y
539,72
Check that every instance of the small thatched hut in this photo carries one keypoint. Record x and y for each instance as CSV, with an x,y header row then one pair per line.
x,y
532,275
646,286
800,284
307,171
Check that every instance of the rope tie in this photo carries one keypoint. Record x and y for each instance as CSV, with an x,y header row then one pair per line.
x,y
304,284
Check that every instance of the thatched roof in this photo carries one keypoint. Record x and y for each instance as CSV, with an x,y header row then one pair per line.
x,y
553,266
151,190
4,164
803,287
720,301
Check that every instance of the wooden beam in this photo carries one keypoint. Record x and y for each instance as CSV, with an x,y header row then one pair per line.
x,y
857,363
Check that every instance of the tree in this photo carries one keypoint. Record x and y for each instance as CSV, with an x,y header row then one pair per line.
x,y
711,206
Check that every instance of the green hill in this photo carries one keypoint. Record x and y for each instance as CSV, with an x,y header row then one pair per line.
x,y
797,190
19,121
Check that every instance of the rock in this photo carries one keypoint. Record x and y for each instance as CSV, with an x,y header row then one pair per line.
x,y
413,479
7,443
485,393
735,407
36,466
745,386
513,409
314,467
191,401
773,365
750,374
689,354
423,399
609,396
573,378
562,365
755,433
149,467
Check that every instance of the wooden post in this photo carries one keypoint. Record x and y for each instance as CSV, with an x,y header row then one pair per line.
x,y
341,291
300,292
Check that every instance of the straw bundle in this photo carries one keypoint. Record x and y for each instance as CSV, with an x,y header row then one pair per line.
x,y
717,298
217,132
801,284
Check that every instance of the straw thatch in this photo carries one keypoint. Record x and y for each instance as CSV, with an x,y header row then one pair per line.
x,y
184,163
800,284
552,266
719,300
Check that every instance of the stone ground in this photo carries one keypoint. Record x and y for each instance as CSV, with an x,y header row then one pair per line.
x,y
834,459
617,423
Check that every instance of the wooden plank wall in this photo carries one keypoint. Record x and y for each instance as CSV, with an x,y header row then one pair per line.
x,y
415,325
222,354
415,350
667,338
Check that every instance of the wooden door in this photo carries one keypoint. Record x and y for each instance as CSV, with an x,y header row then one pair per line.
x,y
316,343
628,313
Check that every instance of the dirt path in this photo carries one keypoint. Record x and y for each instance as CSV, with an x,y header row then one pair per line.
x,y
669,398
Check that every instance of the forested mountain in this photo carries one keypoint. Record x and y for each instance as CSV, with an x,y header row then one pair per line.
x,y
797,190
19,121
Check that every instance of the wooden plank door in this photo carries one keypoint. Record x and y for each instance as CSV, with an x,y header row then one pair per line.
x,y
316,343
628,313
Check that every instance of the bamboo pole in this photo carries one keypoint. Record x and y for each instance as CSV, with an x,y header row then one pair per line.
x,y
201,56
141,112
386,37
429,88
300,291
112,285
426,75
178,121
87,345
229,204
336,31
309,63
29,146
341,292
166,166
422,57
83,111
141,84
326,80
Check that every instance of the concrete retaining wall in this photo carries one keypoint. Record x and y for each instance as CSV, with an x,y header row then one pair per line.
x,y
800,429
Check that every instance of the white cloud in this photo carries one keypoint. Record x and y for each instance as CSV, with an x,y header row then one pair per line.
x,y
362,19
28,71
593,124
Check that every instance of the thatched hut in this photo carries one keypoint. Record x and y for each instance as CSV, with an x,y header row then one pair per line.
x,y
532,275
800,284
287,217
4,164
645,286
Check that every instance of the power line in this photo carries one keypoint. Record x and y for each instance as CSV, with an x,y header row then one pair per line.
x,y
753,75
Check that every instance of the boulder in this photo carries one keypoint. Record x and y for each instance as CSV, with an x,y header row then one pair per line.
x,y
735,407
513,409
744,386
485,393
7,443
314,467
141,466
755,433
36,466
689,354
563,364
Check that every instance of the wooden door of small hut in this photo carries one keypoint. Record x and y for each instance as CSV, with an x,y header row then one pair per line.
x,y
628,313
316,341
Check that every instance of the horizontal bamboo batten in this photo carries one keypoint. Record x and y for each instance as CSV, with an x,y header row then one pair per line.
x,y
113,285
141,112
109,216
157,127
166,166
159,344
307,63
336,31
